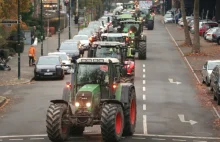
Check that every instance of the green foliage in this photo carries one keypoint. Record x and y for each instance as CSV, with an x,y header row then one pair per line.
x,y
27,16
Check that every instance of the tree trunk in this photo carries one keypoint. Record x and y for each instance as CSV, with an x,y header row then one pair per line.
x,y
186,30
196,41
35,14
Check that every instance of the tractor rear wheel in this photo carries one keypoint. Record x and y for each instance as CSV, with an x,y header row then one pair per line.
x,y
56,130
142,50
150,25
130,114
112,122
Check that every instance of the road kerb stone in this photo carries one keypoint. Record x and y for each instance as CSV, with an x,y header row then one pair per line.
x,y
2,100
20,82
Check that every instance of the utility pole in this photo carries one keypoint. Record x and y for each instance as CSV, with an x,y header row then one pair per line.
x,y
58,25
19,44
42,34
70,19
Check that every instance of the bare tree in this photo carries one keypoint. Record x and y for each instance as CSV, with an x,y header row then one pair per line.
x,y
186,30
196,41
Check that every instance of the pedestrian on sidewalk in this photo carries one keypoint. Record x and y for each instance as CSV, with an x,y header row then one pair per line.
x,y
76,18
33,34
31,54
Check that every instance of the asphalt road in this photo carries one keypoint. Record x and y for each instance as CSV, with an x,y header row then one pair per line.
x,y
162,103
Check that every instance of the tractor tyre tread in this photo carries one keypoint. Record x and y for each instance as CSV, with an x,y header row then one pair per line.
x,y
142,51
108,120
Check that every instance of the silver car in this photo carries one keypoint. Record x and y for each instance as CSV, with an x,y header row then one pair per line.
x,y
207,70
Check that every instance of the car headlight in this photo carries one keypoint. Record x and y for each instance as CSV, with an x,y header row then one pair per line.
x,y
88,104
77,104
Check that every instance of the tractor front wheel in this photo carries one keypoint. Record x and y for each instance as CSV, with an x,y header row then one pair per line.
x,y
112,122
150,25
130,114
142,51
57,131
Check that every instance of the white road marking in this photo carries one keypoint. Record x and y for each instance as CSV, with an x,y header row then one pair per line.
x,y
216,111
36,138
145,124
137,138
144,97
144,107
178,140
143,70
23,136
144,89
182,119
16,139
143,75
158,139
7,92
171,81
144,82
198,141
188,65
143,65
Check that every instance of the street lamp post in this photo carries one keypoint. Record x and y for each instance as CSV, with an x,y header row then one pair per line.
x,y
42,37
59,24
19,44
69,19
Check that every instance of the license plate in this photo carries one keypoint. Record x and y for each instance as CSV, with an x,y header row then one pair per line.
x,y
48,73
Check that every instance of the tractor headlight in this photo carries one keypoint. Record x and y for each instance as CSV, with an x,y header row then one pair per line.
x,y
88,104
77,104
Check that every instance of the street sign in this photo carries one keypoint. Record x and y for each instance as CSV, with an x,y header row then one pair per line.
x,y
9,21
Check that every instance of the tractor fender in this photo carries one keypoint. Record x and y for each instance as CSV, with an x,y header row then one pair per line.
x,y
108,101
71,107
125,91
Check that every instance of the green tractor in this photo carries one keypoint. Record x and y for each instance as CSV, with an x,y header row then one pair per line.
x,y
149,19
137,39
95,97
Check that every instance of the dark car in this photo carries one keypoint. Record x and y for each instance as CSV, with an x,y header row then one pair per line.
x,y
49,67
215,83
71,49
216,36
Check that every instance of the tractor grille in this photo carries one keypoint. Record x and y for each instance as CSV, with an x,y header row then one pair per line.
x,y
84,97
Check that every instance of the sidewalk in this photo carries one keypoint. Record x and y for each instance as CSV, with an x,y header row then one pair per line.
x,y
27,73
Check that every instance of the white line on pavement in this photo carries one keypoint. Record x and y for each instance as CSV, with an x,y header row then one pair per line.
x,y
7,92
144,107
145,124
144,97
198,141
138,138
157,139
22,136
143,75
144,82
36,138
143,70
144,89
16,139
178,140
216,112
143,65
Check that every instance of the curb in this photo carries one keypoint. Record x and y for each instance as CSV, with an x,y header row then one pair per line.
x,y
26,82
3,101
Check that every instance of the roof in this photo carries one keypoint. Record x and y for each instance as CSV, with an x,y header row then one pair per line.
x,y
70,40
49,56
97,60
114,34
108,43
213,61
57,53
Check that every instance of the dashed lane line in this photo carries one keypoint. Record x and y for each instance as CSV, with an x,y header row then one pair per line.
x,y
36,138
198,141
143,65
158,139
144,76
144,82
23,136
145,124
16,139
144,107
178,140
143,70
144,89
144,97
137,138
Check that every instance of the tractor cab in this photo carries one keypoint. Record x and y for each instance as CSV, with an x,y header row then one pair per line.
x,y
134,28
129,6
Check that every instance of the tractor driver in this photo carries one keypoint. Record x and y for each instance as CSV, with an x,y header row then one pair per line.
x,y
104,74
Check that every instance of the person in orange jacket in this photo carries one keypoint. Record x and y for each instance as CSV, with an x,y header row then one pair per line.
x,y
31,55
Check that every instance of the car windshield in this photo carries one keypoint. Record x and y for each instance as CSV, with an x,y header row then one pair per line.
x,y
80,37
48,61
90,74
68,46
212,65
118,39
62,56
108,52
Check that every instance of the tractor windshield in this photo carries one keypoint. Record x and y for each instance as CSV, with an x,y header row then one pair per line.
x,y
118,39
130,26
92,74
108,52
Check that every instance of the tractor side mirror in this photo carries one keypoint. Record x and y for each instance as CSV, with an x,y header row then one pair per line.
x,y
133,51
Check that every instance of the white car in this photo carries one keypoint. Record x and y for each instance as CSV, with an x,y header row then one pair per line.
x,y
208,34
207,70
168,18
65,60
83,40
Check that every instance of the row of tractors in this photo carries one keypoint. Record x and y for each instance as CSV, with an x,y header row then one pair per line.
x,y
102,91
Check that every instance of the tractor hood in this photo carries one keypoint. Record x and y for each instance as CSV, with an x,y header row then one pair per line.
x,y
93,88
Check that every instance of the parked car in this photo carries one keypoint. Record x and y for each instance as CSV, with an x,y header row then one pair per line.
x,y
207,70
71,49
208,34
168,18
207,26
84,41
49,67
66,61
215,84
216,36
